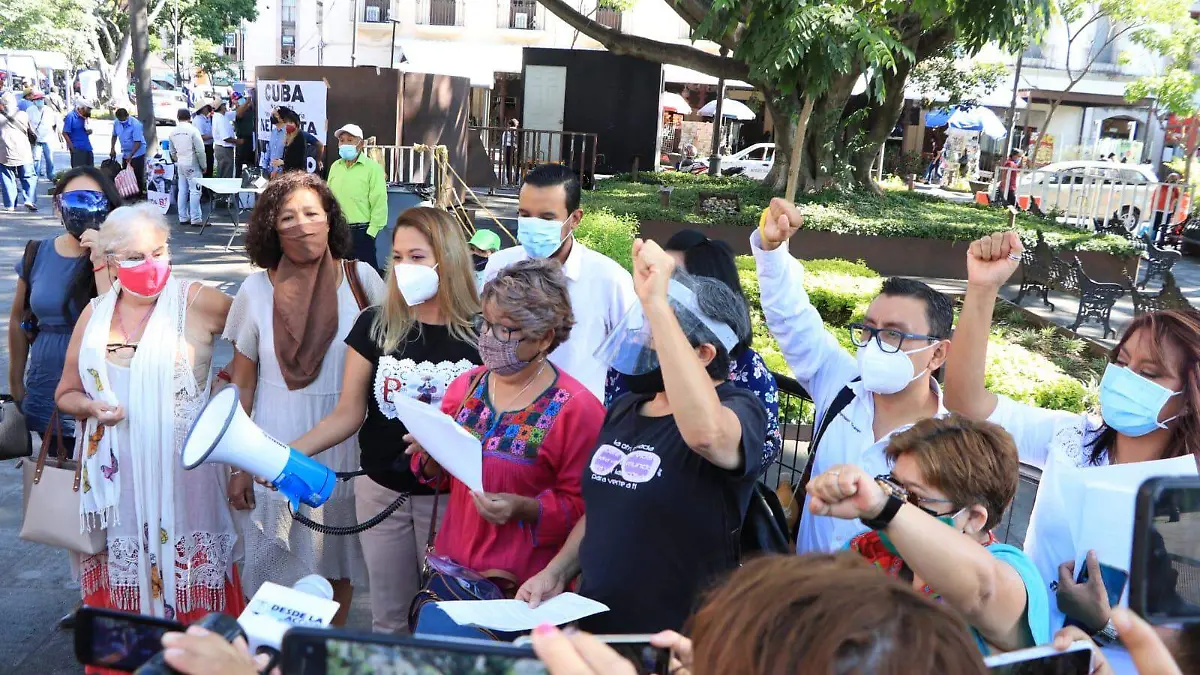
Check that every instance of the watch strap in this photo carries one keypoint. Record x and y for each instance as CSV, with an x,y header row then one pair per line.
x,y
1107,635
881,521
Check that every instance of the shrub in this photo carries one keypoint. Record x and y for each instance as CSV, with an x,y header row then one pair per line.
x,y
605,232
895,214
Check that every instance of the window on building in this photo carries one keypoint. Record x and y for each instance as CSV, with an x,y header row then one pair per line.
x,y
230,47
1035,51
609,17
1104,49
287,45
377,11
519,14
287,11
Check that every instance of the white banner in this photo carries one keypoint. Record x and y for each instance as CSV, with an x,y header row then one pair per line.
x,y
307,98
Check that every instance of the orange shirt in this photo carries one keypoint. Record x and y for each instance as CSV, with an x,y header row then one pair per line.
x,y
1165,197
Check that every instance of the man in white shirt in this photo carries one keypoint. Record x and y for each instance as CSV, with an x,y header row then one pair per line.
x,y
601,290
187,151
860,402
224,139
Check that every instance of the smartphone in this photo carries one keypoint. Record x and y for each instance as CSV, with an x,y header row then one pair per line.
x,y
312,651
1114,581
1076,660
1164,578
646,658
118,640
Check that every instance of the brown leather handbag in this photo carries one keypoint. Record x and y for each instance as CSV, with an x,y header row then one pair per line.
x,y
52,493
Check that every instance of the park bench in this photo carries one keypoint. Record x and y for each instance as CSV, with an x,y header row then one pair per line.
x,y
1170,297
1042,271
1159,261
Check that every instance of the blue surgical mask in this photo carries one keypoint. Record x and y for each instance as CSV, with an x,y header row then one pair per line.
x,y
1131,403
540,238
348,152
887,541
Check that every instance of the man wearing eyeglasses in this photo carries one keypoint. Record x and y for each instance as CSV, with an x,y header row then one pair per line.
x,y
861,401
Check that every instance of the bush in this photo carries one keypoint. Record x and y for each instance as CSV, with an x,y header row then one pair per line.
x,y
605,232
894,214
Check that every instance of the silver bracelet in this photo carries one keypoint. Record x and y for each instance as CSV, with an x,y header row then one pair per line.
x,y
235,473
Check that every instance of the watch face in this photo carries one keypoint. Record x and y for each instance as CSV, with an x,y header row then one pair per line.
x,y
892,488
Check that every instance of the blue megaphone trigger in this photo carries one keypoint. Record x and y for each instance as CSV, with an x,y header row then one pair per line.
x,y
305,480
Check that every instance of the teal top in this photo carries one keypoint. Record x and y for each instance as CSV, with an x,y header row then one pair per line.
x,y
1037,600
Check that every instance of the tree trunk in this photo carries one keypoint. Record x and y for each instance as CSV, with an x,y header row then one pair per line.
x,y
139,30
824,140
779,108
1042,133
114,77
1191,137
881,119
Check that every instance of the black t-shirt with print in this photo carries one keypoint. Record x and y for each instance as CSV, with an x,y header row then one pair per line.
x,y
424,365
661,519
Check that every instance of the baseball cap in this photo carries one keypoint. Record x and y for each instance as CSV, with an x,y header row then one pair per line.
x,y
35,96
352,129
83,102
485,240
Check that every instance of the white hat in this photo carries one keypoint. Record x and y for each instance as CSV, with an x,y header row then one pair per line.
x,y
352,129
83,102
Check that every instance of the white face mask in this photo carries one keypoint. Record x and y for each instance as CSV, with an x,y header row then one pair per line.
x,y
886,373
417,283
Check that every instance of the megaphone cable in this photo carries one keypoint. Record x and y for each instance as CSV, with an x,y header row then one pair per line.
x,y
347,530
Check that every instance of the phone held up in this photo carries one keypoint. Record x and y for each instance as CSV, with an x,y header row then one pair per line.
x,y
1076,660
309,651
1164,579
118,640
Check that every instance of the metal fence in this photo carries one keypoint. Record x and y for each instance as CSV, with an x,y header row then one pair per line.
x,y
404,163
439,13
514,152
795,405
520,15
1093,196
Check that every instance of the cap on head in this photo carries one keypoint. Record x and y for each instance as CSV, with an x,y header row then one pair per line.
x,y
485,240
35,96
83,102
352,129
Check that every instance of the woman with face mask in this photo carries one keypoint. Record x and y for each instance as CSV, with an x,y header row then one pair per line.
x,y
931,523
1149,413
55,281
295,144
668,486
537,425
137,374
413,344
288,324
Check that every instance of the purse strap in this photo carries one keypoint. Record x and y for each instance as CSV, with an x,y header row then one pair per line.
x,y
350,267
56,439
438,490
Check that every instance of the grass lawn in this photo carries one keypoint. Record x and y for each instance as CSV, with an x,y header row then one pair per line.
x,y
894,214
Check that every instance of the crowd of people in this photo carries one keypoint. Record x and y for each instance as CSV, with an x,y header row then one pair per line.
x,y
623,418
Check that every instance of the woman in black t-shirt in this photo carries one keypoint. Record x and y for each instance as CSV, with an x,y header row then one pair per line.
x,y
413,345
295,143
669,483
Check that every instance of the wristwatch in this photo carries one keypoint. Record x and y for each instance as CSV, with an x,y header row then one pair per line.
x,y
1107,635
895,499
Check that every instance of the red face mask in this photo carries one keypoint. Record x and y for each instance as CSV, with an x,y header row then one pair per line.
x,y
290,128
145,278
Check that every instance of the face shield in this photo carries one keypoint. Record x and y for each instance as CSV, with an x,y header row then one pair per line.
x,y
629,348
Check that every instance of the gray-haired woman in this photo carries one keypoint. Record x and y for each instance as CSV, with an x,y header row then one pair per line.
x,y
537,425
137,373
669,483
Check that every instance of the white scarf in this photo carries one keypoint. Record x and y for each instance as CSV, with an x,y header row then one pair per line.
x,y
149,417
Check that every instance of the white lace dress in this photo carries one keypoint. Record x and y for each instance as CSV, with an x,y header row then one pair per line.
x,y
278,549
205,534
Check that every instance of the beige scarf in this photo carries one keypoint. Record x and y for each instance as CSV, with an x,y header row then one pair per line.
x,y
306,305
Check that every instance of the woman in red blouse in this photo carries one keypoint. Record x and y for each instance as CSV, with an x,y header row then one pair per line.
x,y
538,426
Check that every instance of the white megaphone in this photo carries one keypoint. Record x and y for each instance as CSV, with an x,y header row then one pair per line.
x,y
224,433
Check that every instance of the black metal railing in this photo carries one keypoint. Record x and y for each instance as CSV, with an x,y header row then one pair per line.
x,y
520,15
376,11
439,13
514,152
609,17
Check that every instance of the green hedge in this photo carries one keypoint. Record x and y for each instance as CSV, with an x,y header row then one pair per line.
x,y
1026,363
894,214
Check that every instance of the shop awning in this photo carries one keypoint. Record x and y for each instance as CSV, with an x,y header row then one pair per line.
x,y
680,75
477,62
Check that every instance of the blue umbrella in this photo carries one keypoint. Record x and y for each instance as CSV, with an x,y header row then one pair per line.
x,y
977,118
937,118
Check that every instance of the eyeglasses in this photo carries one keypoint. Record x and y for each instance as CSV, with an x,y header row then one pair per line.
x,y
893,487
501,333
890,341
122,350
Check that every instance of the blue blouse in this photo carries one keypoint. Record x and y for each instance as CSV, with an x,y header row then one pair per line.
x,y
748,372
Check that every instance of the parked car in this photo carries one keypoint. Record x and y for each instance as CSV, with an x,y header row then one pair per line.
x,y
1093,190
166,105
752,162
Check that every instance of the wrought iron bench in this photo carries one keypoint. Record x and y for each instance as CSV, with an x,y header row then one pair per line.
x,y
1170,297
1159,261
1042,271
1096,299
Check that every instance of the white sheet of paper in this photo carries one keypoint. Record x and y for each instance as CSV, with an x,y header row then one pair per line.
x,y
451,445
515,615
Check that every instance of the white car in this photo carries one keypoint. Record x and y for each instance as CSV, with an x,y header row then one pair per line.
x,y
166,105
1092,190
752,162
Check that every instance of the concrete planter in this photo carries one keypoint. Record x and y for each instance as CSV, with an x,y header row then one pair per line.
x,y
890,256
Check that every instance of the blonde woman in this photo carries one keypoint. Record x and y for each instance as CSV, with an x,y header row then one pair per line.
x,y
288,323
415,344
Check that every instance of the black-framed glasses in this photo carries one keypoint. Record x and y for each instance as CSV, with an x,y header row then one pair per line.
x,y
122,350
894,488
500,332
890,340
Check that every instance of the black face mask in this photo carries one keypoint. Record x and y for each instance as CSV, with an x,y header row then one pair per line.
x,y
82,210
480,262
646,383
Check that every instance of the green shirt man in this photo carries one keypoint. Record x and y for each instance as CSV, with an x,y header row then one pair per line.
x,y
358,183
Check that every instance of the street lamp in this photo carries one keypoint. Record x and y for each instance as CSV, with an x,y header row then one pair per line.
x,y
392,44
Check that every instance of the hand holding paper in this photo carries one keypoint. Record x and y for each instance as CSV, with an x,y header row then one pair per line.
x,y
453,447
516,615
